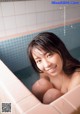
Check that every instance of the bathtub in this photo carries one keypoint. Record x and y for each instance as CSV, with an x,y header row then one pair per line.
x,y
17,76
13,91
17,91
28,76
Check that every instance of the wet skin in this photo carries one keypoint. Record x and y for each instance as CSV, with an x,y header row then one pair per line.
x,y
52,65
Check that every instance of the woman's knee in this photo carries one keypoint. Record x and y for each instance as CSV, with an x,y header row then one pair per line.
x,y
40,87
51,95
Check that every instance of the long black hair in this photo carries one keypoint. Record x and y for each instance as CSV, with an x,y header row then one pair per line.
x,y
49,42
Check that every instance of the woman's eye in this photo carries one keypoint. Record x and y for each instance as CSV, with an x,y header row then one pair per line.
x,y
49,54
38,61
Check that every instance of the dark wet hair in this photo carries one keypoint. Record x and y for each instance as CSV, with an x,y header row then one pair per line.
x,y
49,42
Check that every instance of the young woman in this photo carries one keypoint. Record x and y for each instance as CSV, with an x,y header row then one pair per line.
x,y
50,58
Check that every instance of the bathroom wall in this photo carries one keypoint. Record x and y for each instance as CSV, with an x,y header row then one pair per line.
x,y
20,21
23,17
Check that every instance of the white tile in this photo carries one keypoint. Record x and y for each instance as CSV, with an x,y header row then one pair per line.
x,y
0,11
11,32
31,19
59,16
48,24
50,16
22,29
2,33
48,6
9,75
40,26
32,28
17,91
42,109
7,8
51,24
1,24
9,22
12,86
20,7
20,20
4,98
28,28
40,17
39,6
28,102
30,6
54,23
72,13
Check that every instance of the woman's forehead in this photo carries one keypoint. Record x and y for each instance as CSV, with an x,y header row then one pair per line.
x,y
38,51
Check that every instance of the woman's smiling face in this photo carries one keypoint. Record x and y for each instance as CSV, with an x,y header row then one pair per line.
x,y
48,62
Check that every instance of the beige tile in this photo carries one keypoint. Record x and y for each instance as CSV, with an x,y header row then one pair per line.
x,y
16,90
11,84
5,74
18,111
28,102
62,106
5,98
73,97
42,109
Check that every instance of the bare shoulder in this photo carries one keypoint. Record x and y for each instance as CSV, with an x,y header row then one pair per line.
x,y
76,75
75,80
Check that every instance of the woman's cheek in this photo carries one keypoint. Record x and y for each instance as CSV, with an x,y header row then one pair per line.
x,y
40,66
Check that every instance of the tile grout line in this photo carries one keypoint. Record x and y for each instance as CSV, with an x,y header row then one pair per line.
x,y
32,108
57,109
69,103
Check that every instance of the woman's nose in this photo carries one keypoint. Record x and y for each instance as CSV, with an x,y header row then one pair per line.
x,y
46,63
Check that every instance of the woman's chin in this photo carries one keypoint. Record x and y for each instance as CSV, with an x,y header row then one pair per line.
x,y
53,74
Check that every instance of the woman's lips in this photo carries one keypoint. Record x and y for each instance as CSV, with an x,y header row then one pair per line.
x,y
52,69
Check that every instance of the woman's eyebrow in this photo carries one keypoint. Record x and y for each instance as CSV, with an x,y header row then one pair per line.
x,y
37,58
42,53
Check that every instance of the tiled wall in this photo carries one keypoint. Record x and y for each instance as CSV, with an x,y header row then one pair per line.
x,y
20,21
21,101
14,51
22,17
